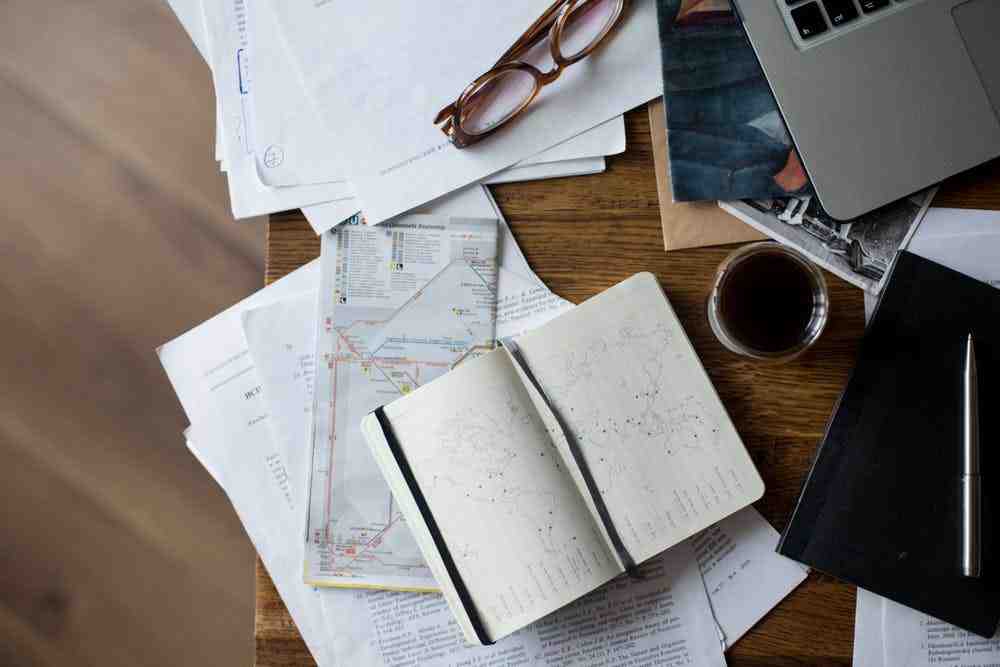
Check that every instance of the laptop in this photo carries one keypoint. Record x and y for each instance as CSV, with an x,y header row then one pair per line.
x,y
882,97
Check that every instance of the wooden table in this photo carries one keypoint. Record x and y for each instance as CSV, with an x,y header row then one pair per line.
x,y
582,235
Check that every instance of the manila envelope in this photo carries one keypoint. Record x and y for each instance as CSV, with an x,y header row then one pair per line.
x,y
689,224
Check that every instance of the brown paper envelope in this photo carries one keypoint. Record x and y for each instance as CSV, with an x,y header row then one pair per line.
x,y
689,224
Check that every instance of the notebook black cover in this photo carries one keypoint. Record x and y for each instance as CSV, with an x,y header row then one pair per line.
x,y
880,508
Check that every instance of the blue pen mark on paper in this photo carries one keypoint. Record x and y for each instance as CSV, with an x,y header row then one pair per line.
x,y
243,71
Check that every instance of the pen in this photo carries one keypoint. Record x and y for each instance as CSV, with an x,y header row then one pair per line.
x,y
972,557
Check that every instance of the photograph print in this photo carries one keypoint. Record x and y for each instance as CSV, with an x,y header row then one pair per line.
x,y
860,250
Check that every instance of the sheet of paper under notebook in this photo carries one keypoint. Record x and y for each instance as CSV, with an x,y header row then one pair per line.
x,y
744,576
481,453
666,615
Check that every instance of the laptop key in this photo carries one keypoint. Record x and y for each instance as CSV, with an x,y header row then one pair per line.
x,y
840,11
809,20
868,6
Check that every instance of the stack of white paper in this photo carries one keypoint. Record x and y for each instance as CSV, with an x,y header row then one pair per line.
x,y
282,150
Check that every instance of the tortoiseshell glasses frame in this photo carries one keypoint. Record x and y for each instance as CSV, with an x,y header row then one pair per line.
x,y
463,120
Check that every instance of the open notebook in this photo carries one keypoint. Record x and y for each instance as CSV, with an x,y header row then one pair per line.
x,y
543,469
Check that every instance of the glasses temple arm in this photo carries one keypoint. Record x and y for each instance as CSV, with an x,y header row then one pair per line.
x,y
534,34
531,37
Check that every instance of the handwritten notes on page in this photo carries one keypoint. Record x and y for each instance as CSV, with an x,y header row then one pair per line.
x,y
622,374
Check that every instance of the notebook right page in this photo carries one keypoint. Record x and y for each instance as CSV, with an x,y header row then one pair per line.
x,y
623,376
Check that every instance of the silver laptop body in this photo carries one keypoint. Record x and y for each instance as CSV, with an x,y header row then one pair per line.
x,y
882,97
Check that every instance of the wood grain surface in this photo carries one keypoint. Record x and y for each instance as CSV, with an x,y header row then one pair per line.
x,y
582,235
116,548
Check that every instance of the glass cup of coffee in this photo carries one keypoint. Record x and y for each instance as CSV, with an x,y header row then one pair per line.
x,y
769,302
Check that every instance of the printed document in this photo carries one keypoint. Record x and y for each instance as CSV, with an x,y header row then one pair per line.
x,y
868,638
967,241
400,305
523,305
228,37
379,103
961,239
887,634
661,620
744,576
914,639
211,371
216,383
292,147
281,340
287,134
273,537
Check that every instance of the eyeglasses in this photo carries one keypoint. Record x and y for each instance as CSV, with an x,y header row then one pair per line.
x,y
574,28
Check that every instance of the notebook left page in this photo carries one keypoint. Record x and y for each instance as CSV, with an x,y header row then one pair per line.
x,y
509,512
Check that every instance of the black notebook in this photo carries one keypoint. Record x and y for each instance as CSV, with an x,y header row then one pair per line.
x,y
880,508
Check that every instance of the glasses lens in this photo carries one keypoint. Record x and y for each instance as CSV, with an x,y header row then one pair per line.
x,y
497,100
587,25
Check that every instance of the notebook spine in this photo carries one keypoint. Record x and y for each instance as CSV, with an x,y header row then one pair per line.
x,y
428,517
581,462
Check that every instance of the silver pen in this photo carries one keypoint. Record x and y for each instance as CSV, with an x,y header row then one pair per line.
x,y
972,500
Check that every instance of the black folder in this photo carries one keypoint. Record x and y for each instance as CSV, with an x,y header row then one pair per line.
x,y
880,507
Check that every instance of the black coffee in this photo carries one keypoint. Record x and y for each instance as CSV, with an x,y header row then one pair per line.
x,y
766,301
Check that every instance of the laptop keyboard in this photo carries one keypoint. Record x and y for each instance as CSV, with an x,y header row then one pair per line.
x,y
810,20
